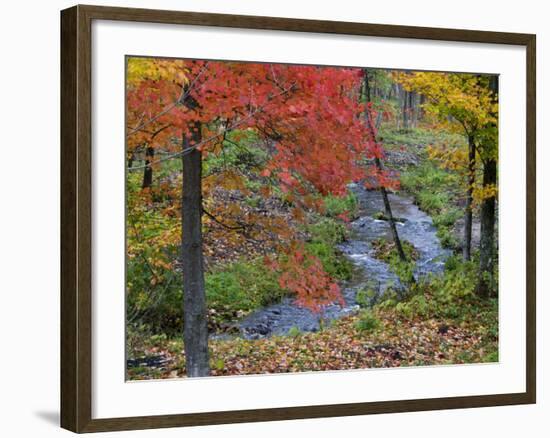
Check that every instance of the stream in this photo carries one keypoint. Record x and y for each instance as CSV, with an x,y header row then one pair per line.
x,y
414,226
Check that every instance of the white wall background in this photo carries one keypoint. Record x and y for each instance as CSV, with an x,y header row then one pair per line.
x,y
29,218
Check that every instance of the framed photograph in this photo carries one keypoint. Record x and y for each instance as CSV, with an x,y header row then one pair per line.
x,y
270,218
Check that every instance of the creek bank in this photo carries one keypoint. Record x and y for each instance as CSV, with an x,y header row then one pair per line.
x,y
415,226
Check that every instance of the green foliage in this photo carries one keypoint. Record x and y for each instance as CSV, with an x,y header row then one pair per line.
x,y
447,218
239,152
153,287
427,176
324,236
231,291
491,357
365,296
294,332
380,215
332,260
434,190
327,231
217,364
430,201
155,304
367,321
450,296
335,206
416,136
387,251
403,269
238,288
446,237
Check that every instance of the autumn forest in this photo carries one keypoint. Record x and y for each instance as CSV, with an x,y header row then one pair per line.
x,y
288,218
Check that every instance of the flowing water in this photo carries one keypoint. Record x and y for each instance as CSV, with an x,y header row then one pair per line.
x,y
414,226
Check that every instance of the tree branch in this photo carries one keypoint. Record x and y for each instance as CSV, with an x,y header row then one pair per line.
x,y
215,136
229,227
180,100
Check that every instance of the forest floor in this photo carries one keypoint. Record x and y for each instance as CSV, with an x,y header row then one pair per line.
x,y
386,339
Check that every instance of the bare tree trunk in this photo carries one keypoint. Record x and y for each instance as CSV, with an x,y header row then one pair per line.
x,y
367,86
405,109
414,108
398,92
195,331
487,242
468,214
148,170
389,214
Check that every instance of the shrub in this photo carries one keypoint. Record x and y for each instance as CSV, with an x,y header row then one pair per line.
x,y
449,296
447,238
231,291
327,231
432,202
386,250
447,218
334,263
325,235
335,206
153,301
294,332
366,296
240,287
491,357
367,321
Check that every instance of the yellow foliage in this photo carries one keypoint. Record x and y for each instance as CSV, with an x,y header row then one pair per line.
x,y
450,157
154,69
481,193
461,96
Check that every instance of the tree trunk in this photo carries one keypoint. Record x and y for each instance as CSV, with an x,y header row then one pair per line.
x,y
486,245
148,170
487,242
195,331
391,219
422,101
367,86
405,109
414,109
468,213
131,159
383,190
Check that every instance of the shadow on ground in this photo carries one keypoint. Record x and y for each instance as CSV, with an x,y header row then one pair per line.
x,y
51,417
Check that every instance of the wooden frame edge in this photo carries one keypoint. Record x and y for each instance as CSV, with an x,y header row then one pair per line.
x,y
76,222
76,296
68,346
531,217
